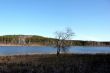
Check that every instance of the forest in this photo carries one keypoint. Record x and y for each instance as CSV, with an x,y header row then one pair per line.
x,y
46,41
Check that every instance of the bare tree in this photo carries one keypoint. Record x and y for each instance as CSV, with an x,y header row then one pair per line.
x,y
62,42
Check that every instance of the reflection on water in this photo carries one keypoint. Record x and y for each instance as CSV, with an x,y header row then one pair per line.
x,y
16,50
89,50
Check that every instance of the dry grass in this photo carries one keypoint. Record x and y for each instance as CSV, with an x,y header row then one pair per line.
x,y
50,63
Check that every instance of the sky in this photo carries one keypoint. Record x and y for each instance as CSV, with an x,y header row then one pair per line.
x,y
89,19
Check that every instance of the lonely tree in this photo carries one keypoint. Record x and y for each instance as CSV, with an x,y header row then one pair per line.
x,y
62,42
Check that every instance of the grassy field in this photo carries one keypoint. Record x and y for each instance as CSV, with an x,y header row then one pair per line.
x,y
50,63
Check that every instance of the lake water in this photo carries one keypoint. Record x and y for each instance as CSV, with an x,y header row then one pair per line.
x,y
20,50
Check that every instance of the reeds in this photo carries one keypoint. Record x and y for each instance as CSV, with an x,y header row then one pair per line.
x,y
65,63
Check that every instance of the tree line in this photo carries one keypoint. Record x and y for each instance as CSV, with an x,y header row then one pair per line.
x,y
33,39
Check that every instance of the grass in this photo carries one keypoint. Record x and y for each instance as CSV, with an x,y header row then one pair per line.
x,y
50,63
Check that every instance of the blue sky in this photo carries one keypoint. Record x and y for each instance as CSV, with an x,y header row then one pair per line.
x,y
89,19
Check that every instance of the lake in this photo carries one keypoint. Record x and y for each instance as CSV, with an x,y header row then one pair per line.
x,y
21,50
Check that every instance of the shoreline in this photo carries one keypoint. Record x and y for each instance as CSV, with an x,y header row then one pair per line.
x,y
21,45
51,54
41,45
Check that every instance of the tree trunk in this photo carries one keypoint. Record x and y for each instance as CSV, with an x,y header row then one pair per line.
x,y
58,51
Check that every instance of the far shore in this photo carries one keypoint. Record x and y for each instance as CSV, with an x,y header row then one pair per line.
x,y
21,45
39,45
